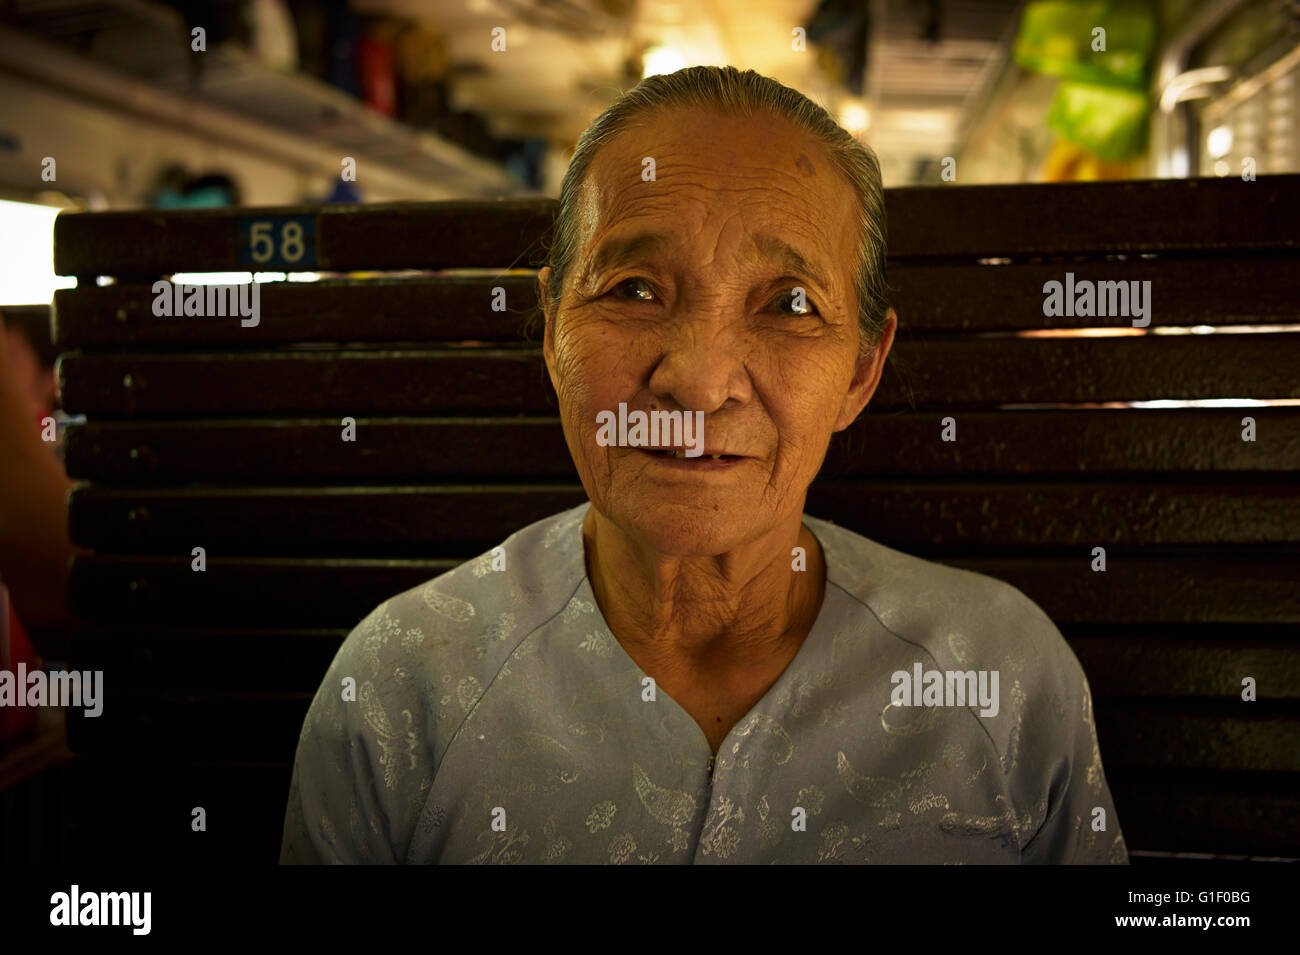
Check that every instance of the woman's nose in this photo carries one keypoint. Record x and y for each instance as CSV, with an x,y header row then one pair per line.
x,y
702,365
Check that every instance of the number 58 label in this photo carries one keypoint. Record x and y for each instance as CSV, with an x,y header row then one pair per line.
x,y
287,242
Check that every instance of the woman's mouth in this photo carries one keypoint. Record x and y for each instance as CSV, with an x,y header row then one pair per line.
x,y
681,459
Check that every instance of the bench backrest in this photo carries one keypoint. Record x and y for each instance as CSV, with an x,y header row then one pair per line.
x,y
208,432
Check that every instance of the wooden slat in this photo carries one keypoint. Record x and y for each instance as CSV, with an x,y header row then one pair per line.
x,y
401,235
982,516
1241,290
1245,814
138,807
1220,737
261,727
1237,290
1196,215
1149,591
427,309
1110,441
1040,219
1239,814
1138,665
348,382
265,727
311,450
1134,591
934,374
1113,441
165,591
142,659
934,517
379,521
147,655
1017,370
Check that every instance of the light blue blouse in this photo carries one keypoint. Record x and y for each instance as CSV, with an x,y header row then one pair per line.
x,y
490,715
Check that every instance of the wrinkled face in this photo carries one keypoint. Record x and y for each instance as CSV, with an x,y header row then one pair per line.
x,y
723,285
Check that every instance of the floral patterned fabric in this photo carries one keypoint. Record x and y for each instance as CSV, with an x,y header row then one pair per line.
x,y
490,716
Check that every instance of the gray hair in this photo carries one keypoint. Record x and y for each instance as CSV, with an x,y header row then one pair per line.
x,y
728,89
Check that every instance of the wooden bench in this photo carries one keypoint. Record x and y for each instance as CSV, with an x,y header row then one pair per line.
x,y
202,432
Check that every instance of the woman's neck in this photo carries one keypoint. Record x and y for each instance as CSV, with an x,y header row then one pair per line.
x,y
731,612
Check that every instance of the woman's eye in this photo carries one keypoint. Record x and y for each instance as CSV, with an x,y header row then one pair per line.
x,y
638,288
798,301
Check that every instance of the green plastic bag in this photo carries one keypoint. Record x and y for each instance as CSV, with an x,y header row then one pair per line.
x,y
1102,51
1057,37
1107,121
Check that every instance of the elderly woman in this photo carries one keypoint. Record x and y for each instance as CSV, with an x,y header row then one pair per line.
x,y
688,668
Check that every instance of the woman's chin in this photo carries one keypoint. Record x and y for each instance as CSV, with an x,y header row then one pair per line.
x,y
681,529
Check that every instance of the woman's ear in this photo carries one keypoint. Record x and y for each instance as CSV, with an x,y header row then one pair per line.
x,y
548,330
543,292
866,374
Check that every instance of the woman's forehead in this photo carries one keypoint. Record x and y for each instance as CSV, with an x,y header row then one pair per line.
x,y
693,173
725,152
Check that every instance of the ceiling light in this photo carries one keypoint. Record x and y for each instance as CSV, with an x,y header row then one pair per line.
x,y
855,117
1219,142
662,59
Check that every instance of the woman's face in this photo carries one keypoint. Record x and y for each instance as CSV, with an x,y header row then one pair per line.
x,y
683,296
